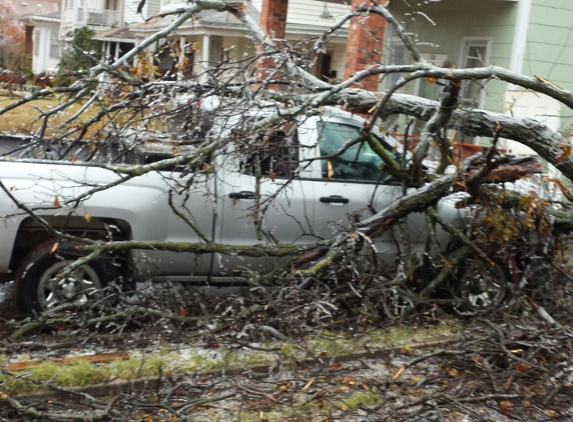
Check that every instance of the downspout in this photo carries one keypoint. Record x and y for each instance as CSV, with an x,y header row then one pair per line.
x,y
519,45
520,38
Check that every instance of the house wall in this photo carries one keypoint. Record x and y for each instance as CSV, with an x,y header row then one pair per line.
x,y
300,12
242,48
153,7
129,12
445,27
130,15
549,47
42,61
258,4
308,13
69,17
92,13
535,106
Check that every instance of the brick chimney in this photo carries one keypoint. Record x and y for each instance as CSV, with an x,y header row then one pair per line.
x,y
274,17
273,21
364,46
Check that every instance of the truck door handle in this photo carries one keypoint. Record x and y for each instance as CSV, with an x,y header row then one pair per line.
x,y
334,199
244,194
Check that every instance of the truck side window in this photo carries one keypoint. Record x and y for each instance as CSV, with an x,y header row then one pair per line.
x,y
277,156
358,162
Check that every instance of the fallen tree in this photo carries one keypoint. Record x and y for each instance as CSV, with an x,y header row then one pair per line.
x,y
133,112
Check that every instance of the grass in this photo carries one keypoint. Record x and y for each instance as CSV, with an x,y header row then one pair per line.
x,y
304,409
367,398
143,365
25,118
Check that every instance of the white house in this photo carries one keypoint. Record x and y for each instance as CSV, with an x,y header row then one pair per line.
x,y
46,43
201,43
42,24
100,15
51,30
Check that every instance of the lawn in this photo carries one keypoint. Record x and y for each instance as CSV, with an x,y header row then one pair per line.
x,y
25,119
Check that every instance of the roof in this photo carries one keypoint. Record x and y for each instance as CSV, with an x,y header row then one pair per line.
x,y
205,19
34,7
118,33
215,18
36,18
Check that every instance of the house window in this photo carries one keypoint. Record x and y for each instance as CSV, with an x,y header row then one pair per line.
x,y
54,45
398,57
111,5
475,53
36,42
81,5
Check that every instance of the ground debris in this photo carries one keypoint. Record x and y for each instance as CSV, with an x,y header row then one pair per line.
x,y
514,364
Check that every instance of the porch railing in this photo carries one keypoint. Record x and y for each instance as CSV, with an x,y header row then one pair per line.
x,y
102,17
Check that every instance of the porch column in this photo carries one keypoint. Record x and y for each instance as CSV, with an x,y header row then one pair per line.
x,y
181,58
364,46
181,52
107,46
205,57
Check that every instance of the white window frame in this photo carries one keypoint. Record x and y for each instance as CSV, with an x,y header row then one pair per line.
x,y
37,39
467,43
391,79
54,45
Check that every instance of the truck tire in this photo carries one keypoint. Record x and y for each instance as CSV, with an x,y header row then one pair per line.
x,y
38,287
481,287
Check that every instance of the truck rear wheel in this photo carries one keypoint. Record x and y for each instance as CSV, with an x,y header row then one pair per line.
x,y
39,285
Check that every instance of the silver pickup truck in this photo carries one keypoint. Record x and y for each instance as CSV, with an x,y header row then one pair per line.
x,y
313,199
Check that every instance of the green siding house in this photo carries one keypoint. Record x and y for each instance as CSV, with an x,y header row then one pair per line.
x,y
533,37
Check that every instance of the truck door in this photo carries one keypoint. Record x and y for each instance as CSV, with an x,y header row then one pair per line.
x,y
351,185
183,212
262,201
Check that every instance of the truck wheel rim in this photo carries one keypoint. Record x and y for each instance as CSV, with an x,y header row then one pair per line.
x,y
483,288
78,287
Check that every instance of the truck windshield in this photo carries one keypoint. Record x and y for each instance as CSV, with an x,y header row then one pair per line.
x,y
358,162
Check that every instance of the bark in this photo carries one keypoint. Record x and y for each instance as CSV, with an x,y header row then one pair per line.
x,y
563,220
472,122
433,128
417,201
203,248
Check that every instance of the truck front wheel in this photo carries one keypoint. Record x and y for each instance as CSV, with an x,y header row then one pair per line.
x,y
40,285
482,287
